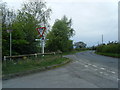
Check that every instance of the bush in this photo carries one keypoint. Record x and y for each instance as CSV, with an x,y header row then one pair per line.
x,y
109,48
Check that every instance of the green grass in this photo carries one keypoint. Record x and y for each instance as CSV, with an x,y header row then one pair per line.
x,y
11,67
109,54
73,52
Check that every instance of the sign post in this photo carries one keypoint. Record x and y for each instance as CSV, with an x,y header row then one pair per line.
x,y
43,43
10,31
41,31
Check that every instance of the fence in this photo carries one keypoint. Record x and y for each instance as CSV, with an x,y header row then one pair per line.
x,y
31,55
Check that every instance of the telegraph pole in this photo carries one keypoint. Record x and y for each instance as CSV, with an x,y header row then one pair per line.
x,y
102,38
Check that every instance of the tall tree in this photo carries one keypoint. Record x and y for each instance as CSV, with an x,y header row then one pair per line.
x,y
24,33
8,16
39,10
79,45
59,36
24,23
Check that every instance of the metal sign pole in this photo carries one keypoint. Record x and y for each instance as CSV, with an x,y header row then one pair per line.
x,y
10,45
43,45
10,31
41,31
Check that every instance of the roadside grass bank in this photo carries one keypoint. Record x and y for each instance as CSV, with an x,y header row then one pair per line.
x,y
109,54
74,51
29,64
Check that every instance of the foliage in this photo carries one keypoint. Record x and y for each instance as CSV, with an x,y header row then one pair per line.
x,y
59,36
75,51
109,48
39,10
27,64
109,54
8,17
24,24
24,33
80,45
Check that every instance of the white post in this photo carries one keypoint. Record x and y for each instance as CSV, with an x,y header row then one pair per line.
x,y
43,45
10,45
10,31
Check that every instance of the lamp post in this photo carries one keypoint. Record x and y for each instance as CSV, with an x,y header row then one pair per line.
x,y
10,31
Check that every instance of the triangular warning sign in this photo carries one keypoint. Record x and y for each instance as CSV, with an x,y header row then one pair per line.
x,y
41,31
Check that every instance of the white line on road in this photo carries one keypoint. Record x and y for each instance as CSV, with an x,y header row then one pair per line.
x,y
113,72
94,65
102,68
86,65
101,72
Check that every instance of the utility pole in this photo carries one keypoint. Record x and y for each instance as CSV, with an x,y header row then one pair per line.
x,y
102,38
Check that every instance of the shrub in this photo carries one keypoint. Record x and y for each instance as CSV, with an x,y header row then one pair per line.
x,y
109,48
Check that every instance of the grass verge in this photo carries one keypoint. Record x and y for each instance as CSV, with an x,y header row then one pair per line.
x,y
73,52
19,66
109,54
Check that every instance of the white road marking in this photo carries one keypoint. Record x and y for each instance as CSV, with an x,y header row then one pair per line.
x,y
113,72
102,68
101,72
86,65
94,65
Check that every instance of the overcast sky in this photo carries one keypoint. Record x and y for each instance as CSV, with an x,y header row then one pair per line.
x,y
91,18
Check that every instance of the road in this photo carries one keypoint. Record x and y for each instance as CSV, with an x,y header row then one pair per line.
x,y
87,70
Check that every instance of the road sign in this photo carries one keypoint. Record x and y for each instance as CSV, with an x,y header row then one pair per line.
x,y
9,31
41,31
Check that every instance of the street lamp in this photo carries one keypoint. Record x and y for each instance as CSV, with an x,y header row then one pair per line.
x,y
10,31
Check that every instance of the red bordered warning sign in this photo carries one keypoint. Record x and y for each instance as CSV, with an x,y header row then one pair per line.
x,y
41,31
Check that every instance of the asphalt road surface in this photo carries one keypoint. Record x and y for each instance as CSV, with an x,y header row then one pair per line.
x,y
87,70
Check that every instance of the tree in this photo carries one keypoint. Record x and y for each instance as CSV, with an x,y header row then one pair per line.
x,y
32,15
79,45
39,10
59,36
24,33
24,23
8,17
